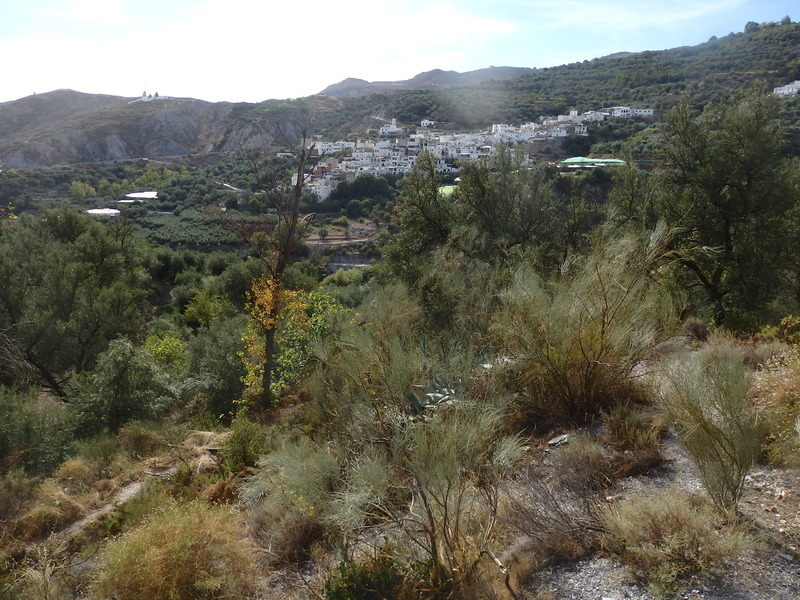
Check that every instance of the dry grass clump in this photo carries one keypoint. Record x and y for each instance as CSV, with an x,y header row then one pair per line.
x,y
668,538
557,507
76,474
186,551
44,574
16,489
287,535
634,432
139,441
51,509
776,393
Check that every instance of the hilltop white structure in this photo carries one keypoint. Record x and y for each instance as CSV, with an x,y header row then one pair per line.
x,y
145,97
790,89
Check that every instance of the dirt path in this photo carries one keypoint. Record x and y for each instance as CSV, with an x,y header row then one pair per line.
x,y
123,495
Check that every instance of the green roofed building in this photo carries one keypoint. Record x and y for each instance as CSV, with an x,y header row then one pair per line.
x,y
447,190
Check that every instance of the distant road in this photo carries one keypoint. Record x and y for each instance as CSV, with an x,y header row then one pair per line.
x,y
338,242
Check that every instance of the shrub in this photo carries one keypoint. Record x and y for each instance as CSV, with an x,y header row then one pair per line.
x,y
286,533
128,384
668,538
16,488
374,579
705,395
101,452
33,434
139,441
186,551
558,507
777,393
577,345
246,443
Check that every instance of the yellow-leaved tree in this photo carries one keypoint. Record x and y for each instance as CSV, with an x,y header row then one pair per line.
x,y
283,326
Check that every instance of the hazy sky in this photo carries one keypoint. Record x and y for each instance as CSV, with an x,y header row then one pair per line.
x,y
253,50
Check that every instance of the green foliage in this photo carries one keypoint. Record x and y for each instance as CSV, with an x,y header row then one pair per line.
x,y
729,189
100,453
668,538
245,444
213,367
296,343
133,513
167,348
80,191
33,433
348,286
128,384
705,396
574,345
374,579
502,205
205,306
457,460
425,218
71,285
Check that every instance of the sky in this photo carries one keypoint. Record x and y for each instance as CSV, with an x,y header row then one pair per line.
x,y
255,50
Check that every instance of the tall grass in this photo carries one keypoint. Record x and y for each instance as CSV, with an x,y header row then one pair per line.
x,y
705,395
577,344
669,538
186,551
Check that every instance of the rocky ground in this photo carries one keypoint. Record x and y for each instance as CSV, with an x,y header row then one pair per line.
x,y
770,569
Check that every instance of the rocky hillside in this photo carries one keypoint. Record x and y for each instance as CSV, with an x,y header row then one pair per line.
x,y
67,127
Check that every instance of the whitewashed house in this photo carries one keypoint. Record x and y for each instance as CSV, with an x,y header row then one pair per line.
x,y
790,89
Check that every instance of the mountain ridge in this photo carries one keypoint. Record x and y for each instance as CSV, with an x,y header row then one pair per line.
x,y
432,79
65,127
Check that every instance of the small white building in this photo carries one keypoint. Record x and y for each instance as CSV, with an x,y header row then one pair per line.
x,y
790,89
103,212
142,196
390,128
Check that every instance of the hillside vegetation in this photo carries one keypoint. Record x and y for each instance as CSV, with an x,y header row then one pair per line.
x,y
540,370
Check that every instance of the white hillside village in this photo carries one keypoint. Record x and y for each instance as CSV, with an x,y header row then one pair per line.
x,y
345,160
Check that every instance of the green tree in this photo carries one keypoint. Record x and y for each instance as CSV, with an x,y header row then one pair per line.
x,y
80,191
730,190
128,384
70,285
276,242
503,205
204,306
425,218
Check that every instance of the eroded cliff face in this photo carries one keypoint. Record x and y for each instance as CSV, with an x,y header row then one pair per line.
x,y
66,127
